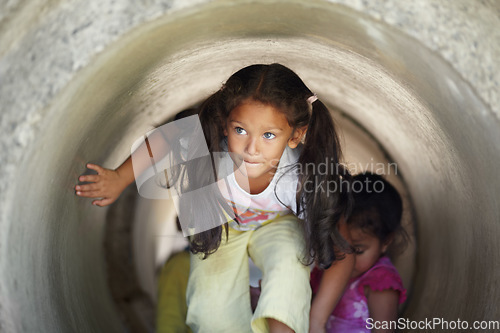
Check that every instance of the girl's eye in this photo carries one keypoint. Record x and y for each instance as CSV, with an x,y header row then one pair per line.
x,y
269,135
240,130
358,250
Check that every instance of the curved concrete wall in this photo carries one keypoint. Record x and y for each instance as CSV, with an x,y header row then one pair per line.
x,y
81,80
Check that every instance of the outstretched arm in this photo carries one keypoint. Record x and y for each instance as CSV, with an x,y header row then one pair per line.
x,y
331,288
108,184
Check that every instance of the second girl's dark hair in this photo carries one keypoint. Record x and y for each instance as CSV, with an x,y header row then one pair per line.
x,y
321,210
377,209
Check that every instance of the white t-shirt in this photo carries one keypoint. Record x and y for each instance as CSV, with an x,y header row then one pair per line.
x,y
278,199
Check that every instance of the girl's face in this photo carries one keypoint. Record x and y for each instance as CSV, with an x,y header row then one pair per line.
x,y
368,250
258,134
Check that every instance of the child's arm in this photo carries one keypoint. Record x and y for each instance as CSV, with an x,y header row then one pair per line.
x,y
331,288
109,184
383,306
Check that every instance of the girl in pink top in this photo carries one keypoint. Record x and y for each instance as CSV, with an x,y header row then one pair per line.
x,y
375,288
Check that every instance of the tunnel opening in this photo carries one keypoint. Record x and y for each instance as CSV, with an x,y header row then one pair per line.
x,y
427,118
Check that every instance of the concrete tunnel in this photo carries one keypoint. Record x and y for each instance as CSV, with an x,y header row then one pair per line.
x,y
413,84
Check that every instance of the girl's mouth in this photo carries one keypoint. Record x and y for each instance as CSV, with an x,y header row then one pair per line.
x,y
251,163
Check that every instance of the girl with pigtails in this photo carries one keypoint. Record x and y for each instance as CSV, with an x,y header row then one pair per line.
x,y
275,132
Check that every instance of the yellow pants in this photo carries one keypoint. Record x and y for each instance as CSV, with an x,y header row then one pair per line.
x,y
218,289
171,308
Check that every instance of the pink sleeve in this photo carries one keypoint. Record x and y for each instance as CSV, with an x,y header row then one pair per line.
x,y
316,275
383,278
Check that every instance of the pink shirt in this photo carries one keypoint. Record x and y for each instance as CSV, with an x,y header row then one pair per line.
x,y
351,313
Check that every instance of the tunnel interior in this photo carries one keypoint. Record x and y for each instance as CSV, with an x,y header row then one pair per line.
x,y
398,102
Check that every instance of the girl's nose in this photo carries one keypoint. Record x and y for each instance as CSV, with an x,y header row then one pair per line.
x,y
252,146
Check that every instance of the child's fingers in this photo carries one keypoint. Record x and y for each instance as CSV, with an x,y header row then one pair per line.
x,y
89,194
87,187
102,202
88,178
95,167
97,203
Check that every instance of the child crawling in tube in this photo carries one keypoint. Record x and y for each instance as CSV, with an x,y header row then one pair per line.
x,y
375,289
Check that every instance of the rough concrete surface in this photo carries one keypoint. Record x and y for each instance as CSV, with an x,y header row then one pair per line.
x,y
80,80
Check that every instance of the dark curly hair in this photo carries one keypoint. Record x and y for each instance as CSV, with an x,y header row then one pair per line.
x,y
377,208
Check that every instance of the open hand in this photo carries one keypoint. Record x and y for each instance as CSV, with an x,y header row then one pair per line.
x,y
107,185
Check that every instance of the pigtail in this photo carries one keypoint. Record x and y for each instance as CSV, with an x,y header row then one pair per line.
x,y
202,172
323,198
